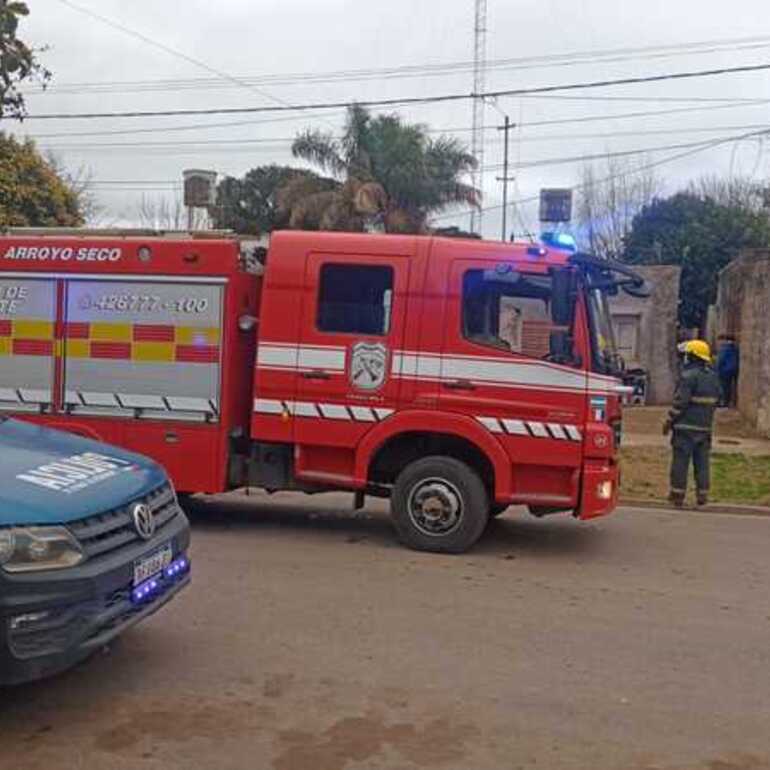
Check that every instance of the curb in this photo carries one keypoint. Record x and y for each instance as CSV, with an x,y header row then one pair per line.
x,y
724,508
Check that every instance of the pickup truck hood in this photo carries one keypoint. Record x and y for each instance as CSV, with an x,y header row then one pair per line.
x,y
50,477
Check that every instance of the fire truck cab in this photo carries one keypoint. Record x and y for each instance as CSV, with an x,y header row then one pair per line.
x,y
457,377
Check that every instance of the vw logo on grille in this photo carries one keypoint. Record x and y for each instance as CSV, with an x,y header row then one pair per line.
x,y
144,521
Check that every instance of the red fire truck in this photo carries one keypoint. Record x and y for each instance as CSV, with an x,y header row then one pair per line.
x,y
457,377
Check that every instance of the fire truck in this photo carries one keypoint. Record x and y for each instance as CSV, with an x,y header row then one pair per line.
x,y
456,377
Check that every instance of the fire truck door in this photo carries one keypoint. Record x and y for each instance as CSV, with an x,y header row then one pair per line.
x,y
27,347
496,364
352,325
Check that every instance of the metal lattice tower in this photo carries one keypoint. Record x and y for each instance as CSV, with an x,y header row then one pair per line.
x,y
479,87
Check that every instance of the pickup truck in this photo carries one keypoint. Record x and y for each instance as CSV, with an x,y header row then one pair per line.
x,y
92,540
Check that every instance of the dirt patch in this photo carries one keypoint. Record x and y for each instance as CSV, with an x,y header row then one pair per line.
x,y
356,739
211,720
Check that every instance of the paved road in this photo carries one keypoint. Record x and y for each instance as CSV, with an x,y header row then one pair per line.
x,y
311,641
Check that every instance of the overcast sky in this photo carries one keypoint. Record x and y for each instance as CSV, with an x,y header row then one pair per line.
x,y
259,38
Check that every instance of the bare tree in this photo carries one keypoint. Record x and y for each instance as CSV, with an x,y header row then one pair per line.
x,y
163,213
740,192
611,195
80,181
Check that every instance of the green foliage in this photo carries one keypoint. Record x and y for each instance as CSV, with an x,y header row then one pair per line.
x,y
395,176
253,205
699,234
32,193
17,60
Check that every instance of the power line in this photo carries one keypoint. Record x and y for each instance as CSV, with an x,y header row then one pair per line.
x,y
410,71
168,49
706,145
562,161
460,129
269,144
173,52
404,101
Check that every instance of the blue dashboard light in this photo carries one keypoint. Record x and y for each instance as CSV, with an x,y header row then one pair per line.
x,y
559,241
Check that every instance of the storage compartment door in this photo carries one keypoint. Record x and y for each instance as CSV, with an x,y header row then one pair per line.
x,y
143,349
27,349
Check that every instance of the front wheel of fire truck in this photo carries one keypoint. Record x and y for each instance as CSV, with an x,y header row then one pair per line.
x,y
439,504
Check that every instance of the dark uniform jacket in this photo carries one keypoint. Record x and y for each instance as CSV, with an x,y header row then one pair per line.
x,y
696,399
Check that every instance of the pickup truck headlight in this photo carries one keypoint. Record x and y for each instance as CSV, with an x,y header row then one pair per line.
x,y
33,549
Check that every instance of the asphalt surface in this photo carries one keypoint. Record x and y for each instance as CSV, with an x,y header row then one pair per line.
x,y
310,640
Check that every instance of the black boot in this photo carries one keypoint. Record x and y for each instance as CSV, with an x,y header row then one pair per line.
x,y
676,499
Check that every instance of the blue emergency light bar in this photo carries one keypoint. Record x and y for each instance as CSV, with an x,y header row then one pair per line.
x,y
557,240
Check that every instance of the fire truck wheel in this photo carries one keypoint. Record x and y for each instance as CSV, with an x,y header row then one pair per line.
x,y
439,504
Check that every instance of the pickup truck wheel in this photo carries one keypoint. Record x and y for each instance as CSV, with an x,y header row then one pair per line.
x,y
439,504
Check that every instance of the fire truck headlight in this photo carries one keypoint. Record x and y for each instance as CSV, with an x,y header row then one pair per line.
x,y
604,490
38,548
246,323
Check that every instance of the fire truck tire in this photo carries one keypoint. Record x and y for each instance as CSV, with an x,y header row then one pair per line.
x,y
439,504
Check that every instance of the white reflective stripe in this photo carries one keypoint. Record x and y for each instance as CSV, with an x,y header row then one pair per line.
x,y
99,399
363,414
187,404
538,429
557,431
303,409
573,433
268,406
268,355
131,401
280,356
35,395
516,427
9,394
334,411
491,424
383,414
321,358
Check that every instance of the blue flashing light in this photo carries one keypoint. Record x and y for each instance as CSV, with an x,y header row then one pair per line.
x,y
558,240
151,588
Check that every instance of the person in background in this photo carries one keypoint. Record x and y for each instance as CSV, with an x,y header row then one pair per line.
x,y
728,367
692,421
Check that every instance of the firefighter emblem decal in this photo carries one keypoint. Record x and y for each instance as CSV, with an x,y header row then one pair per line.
x,y
368,365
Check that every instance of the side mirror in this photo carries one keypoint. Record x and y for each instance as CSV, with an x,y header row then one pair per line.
x,y
563,294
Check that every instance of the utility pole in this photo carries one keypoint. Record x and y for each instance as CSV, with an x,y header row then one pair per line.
x,y
505,178
479,87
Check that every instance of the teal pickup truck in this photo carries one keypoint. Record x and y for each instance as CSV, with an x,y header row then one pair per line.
x,y
92,540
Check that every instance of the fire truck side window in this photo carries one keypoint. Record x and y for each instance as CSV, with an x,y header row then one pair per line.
x,y
508,312
355,299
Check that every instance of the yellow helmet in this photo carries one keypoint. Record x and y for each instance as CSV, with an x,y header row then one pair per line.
x,y
698,349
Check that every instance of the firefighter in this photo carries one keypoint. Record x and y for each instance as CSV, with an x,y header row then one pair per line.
x,y
691,420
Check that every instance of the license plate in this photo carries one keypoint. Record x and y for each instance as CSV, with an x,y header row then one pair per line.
x,y
151,565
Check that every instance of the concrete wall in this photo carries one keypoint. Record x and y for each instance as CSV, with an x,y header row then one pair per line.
x,y
650,326
743,310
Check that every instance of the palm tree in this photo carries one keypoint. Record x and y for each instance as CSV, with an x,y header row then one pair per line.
x,y
393,175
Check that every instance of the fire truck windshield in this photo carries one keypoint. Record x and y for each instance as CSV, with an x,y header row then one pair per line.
x,y
606,358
